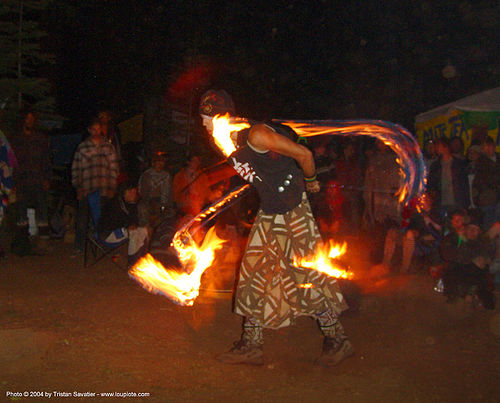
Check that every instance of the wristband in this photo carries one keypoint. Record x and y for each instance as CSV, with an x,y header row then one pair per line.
x,y
310,179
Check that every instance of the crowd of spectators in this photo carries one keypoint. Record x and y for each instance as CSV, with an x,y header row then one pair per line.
x,y
452,232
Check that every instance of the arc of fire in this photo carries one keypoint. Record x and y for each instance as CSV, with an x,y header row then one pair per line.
x,y
400,140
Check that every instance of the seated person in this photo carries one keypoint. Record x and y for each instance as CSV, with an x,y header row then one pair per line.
x,y
191,187
419,236
119,221
155,189
467,253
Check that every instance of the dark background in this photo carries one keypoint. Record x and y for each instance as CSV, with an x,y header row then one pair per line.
x,y
280,59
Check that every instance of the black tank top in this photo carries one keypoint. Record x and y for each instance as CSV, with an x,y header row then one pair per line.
x,y
276,177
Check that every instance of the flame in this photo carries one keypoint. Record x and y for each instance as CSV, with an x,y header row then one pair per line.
x,y
223,126
181,287
322,261
409,155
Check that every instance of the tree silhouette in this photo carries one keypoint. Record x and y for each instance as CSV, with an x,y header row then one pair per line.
x,y
22,59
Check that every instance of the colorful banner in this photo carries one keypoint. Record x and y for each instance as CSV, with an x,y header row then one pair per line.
x,y
459,123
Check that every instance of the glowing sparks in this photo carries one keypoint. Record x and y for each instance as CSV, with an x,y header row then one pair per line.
x,y
181,287
322,261
223,126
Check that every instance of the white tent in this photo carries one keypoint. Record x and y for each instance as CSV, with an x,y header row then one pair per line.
x,y
486,101
460,118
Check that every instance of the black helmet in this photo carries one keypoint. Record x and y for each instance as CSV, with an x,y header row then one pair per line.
x,y
215,102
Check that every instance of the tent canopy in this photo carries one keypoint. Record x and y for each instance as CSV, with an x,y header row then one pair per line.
x,y
486,101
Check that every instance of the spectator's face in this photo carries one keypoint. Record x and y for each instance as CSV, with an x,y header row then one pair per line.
x,y
473,155
426,204
320,150
472,231
131,195
95,131
158,165
457,222
430,149
488,149
439,149
456,145
29,123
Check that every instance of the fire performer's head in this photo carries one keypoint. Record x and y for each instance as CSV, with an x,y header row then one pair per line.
x,y
214,103
217,113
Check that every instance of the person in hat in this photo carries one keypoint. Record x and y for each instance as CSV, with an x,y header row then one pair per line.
x,y
155,189
269,293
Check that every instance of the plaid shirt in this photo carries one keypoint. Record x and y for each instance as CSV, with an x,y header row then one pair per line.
x,y
95,167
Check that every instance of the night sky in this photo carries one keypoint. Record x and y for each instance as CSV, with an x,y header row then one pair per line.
x,y
293,59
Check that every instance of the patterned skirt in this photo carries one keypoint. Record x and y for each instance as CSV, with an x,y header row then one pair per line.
x,y
269,286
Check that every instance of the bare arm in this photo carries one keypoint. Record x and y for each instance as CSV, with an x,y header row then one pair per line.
x,y
263,138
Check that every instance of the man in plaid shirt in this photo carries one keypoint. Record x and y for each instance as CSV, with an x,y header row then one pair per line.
x,y
95,168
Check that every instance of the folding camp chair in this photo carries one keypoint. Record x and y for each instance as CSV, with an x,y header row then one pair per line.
x,y
98,248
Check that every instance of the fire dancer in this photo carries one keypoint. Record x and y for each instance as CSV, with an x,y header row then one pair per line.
x,y
269,292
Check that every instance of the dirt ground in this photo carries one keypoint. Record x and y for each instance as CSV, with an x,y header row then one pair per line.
x,y
67,329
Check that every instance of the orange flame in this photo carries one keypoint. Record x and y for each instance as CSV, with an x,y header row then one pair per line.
x,y
322,261
223,126
382,133
181,287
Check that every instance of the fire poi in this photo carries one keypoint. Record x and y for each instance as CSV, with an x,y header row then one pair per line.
x,y
182,287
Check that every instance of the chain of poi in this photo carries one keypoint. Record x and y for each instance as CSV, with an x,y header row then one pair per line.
x,y
400,140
